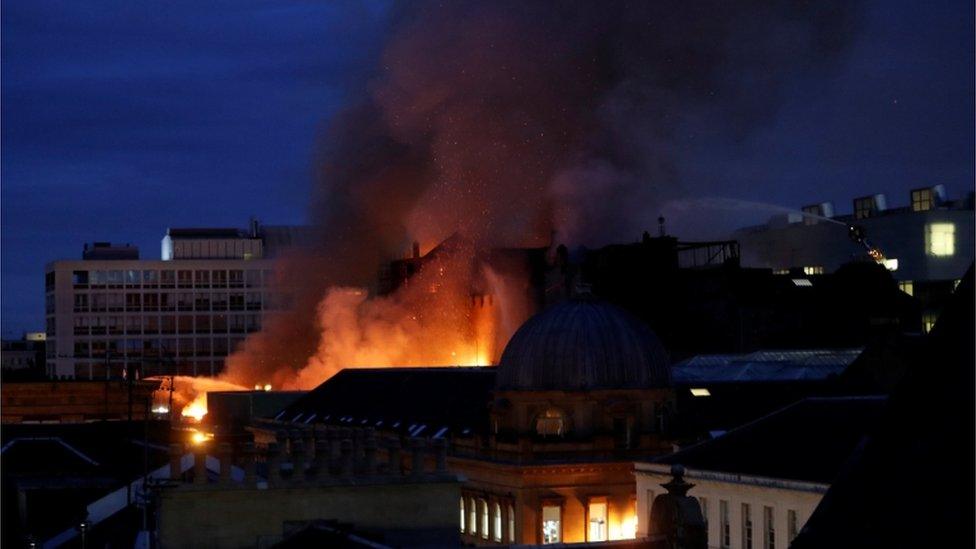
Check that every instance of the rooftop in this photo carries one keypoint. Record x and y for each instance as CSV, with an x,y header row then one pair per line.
x,y
581,344
764,366
809,440
418,401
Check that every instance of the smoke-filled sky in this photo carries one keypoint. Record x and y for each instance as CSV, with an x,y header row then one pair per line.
x,y
120,119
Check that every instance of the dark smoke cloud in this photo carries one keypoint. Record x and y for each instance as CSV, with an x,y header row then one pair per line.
x,y
510,121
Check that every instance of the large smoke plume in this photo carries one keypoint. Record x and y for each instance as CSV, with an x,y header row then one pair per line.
x,y
508,122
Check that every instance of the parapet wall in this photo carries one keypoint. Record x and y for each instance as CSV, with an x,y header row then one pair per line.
x,y
323,474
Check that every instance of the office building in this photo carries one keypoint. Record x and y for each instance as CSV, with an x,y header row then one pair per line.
x,y
545,441
182,314
24,354
927,244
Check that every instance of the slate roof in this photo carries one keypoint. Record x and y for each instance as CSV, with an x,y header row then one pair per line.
x,y
764,366
806,441
417,401
911,484
582,344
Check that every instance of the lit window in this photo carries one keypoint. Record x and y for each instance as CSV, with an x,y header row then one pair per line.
x,y
928,322
472,517
700,392
725,531
791,525
511,524
781,271
483,510
769,529
598,520
907,286
891,264
551,423
496,523
922,200
551,524
462,515
746,526
813,270
802,283
940,239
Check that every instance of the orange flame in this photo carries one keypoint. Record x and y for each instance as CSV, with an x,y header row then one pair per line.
x,y
454,312
190,394
196,409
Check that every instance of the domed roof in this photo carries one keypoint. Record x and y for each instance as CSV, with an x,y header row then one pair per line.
x,y
583,344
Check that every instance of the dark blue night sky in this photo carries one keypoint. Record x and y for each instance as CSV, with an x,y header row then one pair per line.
x,y
123,118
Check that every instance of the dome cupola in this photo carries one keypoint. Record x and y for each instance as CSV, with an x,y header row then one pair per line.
x,y
583,344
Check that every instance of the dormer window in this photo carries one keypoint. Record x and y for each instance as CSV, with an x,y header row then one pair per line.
x,y
552,422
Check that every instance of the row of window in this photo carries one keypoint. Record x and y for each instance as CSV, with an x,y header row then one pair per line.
x,y
184,301
747,528
480,518
165,324
808,270
200,278
923,200
114,369
553,423
157,348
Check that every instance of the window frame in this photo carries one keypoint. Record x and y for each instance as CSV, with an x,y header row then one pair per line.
x,y
558,504
605,502
946,244
747,526
725,526
923,200
792,525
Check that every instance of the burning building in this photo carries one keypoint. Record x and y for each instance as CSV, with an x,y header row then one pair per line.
x,y
546,439
461,131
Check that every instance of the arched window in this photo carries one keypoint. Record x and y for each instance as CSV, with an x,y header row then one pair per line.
x,y
552,422
496,520
483,510
462,515
511,524
472,517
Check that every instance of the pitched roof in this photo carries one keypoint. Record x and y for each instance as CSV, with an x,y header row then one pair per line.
x,y
806,441
911,485
455,398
